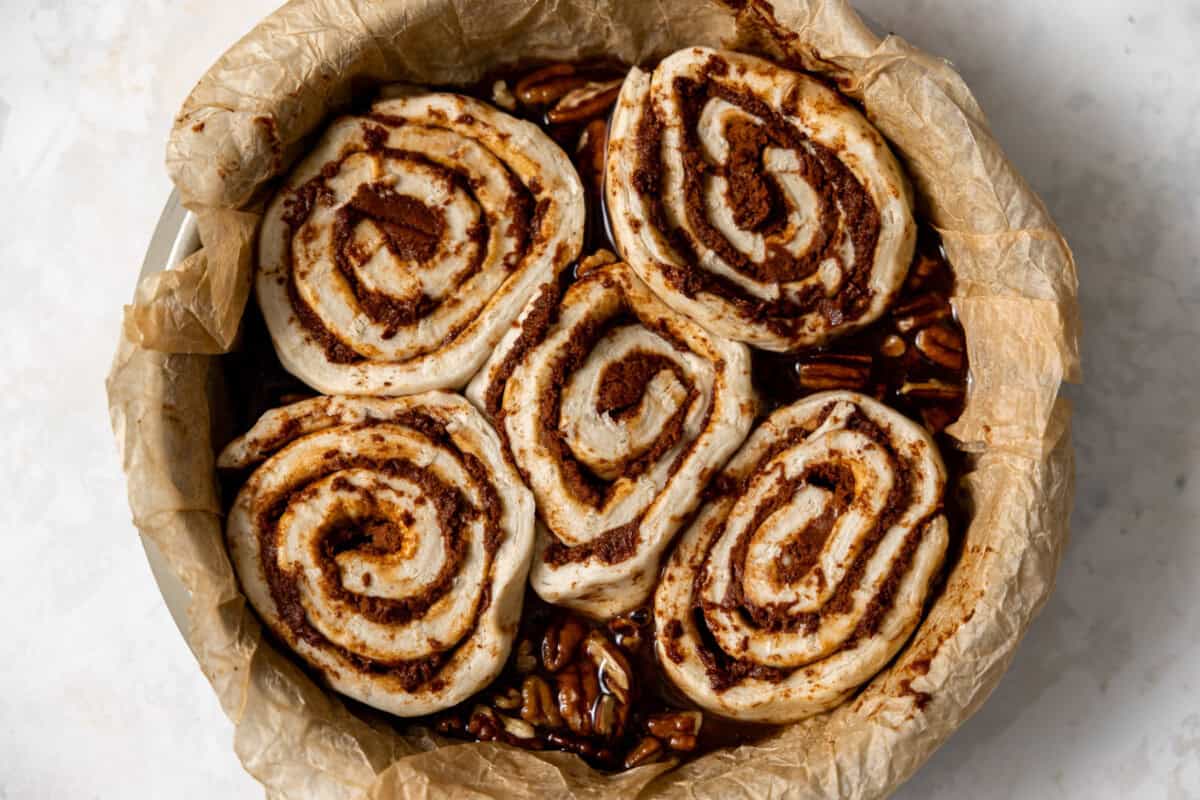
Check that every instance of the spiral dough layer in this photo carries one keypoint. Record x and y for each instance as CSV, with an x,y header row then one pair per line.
x,y
401,249
617,411
810,568
386,542
756,200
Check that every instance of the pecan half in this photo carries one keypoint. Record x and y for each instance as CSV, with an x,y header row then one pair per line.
x,y
604,715
542,87
611,665
590,100
941,345
589,153
559,644
932,390
539,705
836,372
921,312
578,688
671,723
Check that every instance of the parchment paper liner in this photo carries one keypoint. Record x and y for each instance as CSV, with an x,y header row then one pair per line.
x,y
251,114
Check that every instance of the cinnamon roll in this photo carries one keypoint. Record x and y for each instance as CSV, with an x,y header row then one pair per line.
x,y
809,569
386,541
400,250
756,200
617,411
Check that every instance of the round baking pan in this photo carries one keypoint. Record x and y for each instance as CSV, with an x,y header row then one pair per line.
x,y
175,237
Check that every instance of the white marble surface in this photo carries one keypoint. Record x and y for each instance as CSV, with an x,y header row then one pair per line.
x,y
1095,100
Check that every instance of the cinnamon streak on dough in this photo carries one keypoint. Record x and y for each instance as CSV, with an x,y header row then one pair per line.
x,y
407,242
809,565
756,199
386,542
616,411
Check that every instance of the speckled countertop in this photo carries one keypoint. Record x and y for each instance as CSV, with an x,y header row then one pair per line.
x,y
1095,101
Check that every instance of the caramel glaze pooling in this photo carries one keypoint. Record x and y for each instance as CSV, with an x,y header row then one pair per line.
x,y
758,205
258,382
379,535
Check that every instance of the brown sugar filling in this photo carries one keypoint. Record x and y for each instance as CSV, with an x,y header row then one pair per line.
x,y
412,231
372,534
580,481
624,382
758,205
724,670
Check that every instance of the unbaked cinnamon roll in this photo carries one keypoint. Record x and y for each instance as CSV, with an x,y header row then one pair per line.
x,y
617,411
809,569
386,541
400,250
756,200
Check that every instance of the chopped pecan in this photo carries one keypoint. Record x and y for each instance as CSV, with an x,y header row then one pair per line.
x,y
921,271
483,724
647,751
678,729
525,660
893,346
919,304
584,747
507,699
503,96
683,742
517,727
941,345
626,633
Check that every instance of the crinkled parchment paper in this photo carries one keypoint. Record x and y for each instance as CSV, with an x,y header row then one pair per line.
x,y
252,113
